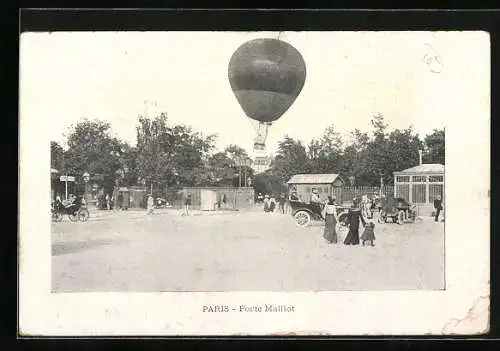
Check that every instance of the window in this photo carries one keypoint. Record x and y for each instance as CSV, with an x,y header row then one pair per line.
x,y
403,190
320,190
402,179
419,179
418,193
434,191
436,179
326,190
308,189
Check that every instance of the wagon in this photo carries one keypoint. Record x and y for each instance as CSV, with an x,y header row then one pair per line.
x,y
75,212
304,213
400,211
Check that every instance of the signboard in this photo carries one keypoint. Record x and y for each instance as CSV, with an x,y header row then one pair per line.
x,y
67,178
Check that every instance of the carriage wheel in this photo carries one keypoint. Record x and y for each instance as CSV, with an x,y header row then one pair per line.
x,y
73,217
83,215
302,218
57,217
401,217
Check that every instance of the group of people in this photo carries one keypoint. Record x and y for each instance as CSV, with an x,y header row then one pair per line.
x,y
354,217
271,204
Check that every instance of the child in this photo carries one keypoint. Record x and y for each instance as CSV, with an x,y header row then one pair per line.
x,y
368,234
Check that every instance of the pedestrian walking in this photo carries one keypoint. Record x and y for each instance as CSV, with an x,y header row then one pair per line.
x,y
224,200
369,234
150,204
330,215
282,201
266,203
187,203
438,206
353,218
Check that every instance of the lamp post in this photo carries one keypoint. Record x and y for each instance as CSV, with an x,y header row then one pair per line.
x,y
86,178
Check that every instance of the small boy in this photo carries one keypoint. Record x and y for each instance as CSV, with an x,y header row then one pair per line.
x,y
369,234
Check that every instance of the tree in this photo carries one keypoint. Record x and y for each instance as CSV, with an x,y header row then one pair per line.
x,y
354,158
92,149
267,183
325,154
403,148
154,146
235,151
291,159
435,147
221,169
56,156
171,155
391,152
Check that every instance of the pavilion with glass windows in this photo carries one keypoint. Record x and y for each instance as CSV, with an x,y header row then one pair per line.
x,y
421,184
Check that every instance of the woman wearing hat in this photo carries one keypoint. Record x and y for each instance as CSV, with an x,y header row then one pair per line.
x,y
353,218
266,203
330,215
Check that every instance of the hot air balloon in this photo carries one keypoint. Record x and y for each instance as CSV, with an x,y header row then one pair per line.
x,y
266,75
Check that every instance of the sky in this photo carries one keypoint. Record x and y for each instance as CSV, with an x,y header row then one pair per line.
x,y
115,76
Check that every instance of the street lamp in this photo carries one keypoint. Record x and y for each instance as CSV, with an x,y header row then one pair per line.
x,y
86,179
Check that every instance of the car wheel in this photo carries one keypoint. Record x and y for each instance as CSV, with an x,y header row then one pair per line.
x,y
73,217
302,218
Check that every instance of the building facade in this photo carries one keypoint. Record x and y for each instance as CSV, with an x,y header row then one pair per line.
x,y
326,185
261,164
420,184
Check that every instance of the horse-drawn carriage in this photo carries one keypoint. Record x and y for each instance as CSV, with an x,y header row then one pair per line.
x,y
77,211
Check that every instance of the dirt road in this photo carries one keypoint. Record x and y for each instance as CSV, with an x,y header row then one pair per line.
x,y
238,251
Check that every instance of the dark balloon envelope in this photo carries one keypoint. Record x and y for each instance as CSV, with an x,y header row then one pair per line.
x,y
266,75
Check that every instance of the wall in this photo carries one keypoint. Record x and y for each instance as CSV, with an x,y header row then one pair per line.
x,y
236,198
136,197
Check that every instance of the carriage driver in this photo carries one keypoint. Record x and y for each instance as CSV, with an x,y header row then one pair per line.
x,y
70,202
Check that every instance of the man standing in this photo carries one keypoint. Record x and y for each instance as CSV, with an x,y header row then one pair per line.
x,y
315,197
282,201
438,206
315,200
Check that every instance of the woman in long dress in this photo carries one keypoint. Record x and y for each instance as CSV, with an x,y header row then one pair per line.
x,y
150,205
330,215
353,218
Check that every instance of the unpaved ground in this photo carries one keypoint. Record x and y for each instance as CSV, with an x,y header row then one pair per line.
x,y
130,251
